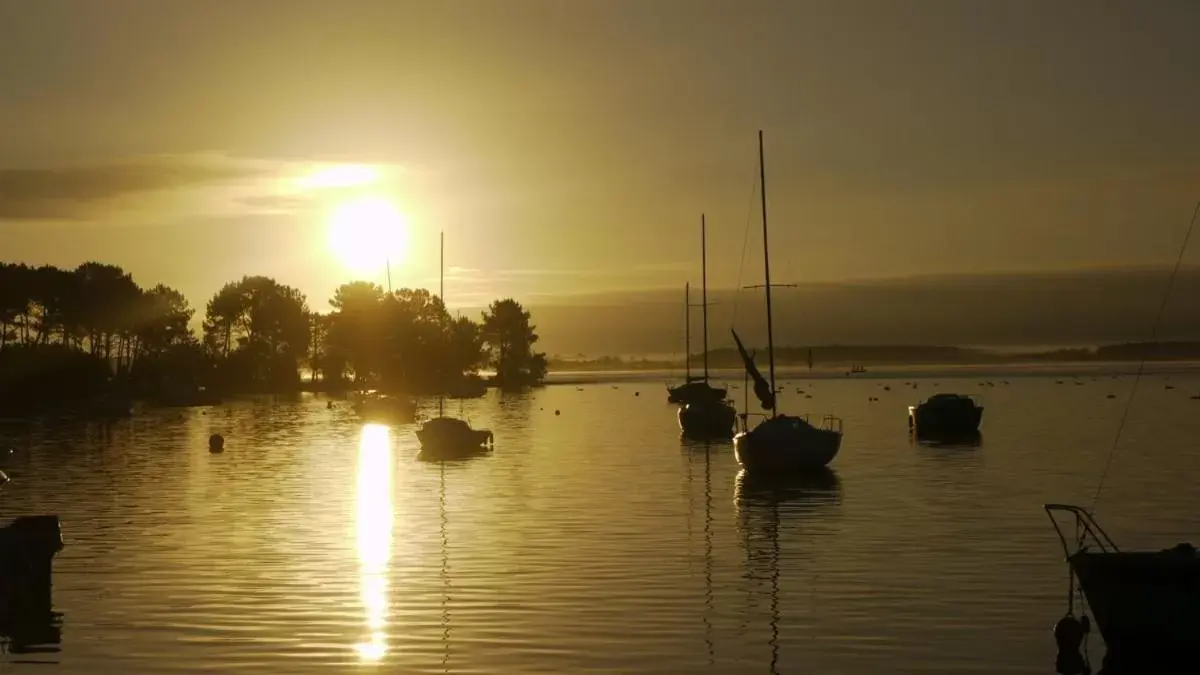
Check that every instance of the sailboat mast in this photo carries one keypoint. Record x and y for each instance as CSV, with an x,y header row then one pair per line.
x,y
762,179
687,333
442,297
704,289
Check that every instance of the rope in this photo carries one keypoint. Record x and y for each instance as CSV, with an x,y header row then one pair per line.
x,y
1112,453
737,291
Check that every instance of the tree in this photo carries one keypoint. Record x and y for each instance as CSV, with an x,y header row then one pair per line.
x,y
260,331
510,339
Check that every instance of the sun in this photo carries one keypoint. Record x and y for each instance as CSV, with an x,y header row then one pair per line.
x,y
368,233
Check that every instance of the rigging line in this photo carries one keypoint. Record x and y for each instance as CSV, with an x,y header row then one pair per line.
x,y
1162,307
737,290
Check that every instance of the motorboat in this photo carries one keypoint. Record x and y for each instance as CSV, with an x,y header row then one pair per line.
x,y
1144,602
945,415
779,443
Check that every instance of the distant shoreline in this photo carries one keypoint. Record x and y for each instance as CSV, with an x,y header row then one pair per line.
x,y
1065,370
844,357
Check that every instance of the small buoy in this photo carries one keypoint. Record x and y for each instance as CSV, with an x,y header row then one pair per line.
x,y
637,393
557,412
1112,396
329,405
216,443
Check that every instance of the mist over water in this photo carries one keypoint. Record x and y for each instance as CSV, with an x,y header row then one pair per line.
x,y
594,540
1047,309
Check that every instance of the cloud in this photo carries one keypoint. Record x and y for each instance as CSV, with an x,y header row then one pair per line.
x,y
78,192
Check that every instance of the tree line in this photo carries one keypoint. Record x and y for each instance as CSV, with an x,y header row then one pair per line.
x,y
68,334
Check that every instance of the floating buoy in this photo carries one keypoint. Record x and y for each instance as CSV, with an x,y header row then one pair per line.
x,y
557,412
329,405
216,443
637,393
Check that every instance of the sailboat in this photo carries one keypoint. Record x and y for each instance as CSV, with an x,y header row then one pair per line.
x,y
448,437
695,389
705,416
779,442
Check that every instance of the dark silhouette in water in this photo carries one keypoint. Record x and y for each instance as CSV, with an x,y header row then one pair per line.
x,y
763,502
88,341
28,545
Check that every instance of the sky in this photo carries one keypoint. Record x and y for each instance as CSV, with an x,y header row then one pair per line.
x,y
570,147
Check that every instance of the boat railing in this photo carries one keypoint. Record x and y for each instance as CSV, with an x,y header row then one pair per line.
x,y
1086,532
831,423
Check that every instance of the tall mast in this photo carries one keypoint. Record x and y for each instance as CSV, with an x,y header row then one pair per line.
x,y
442,297
704,289
687,333
762,179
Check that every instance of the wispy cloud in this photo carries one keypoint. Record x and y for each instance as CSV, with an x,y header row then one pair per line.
x,y
79,192
190,185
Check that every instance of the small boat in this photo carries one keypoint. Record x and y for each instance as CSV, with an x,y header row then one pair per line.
x,y
945,415
1144,602
780,443
450,437
375,406
707,414
707,419
694,389
27,548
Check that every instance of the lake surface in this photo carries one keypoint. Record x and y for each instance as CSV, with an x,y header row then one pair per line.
x,y
593,540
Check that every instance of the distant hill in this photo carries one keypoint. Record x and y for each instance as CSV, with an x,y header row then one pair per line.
x,y
1052,309
909,355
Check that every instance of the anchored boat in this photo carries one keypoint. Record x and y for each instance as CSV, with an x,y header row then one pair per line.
x,y
779,443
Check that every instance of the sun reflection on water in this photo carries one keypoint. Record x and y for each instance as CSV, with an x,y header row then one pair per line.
x,y
374,524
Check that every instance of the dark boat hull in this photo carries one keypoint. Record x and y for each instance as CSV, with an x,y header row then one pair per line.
x,y
694,392
934,422
707,420
27,549
777,446
1144,603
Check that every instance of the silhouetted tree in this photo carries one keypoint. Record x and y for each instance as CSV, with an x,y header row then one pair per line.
x,y
259,329
510,339
69,335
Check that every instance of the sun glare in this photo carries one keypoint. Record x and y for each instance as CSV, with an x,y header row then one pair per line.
x,y
367,233
338,176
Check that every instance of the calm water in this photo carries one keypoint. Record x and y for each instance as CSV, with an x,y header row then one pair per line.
x,y
591,541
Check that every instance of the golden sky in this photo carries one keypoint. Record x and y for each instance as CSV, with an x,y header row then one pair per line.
x,y
571,146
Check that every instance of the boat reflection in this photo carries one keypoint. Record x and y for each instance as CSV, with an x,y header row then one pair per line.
x,y
374,524
700,453
458,455
26,634
762,501
813,488
942,441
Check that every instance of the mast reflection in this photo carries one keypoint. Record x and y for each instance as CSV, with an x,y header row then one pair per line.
x,y
374,527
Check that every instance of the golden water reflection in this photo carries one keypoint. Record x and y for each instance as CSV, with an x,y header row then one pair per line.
x,y
374,520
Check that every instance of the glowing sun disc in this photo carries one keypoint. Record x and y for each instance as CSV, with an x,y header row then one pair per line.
x,y
367,233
